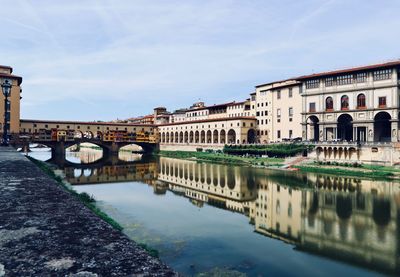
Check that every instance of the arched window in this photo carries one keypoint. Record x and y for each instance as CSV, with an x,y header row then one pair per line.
x,y
344,102
361,101
329,104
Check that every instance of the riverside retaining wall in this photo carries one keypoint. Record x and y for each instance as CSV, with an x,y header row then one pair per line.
x,y
46,231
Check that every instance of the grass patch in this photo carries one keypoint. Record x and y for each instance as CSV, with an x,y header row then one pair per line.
x,y
373,174
381,168
222,158
279,150
152,252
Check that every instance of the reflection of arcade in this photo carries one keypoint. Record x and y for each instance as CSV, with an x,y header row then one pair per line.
x,y
218,185
348,219
144,172
359,227
343,218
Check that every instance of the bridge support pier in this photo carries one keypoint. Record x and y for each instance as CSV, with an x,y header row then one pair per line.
x,y
25,148
58,151
111,150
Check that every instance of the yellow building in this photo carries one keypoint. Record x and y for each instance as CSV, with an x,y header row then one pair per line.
x,y
278,111
14,99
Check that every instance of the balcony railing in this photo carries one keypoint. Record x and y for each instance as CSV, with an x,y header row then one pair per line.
x,y
344,143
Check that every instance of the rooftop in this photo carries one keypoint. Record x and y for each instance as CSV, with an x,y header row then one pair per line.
x,y
351,69
333,72
209,107
11,76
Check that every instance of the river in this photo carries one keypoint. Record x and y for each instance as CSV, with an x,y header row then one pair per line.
x,y
216,219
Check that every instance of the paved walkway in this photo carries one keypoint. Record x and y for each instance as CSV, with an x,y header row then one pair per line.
x,y
44,231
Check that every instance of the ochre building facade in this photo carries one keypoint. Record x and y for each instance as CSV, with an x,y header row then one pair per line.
x,y
6,73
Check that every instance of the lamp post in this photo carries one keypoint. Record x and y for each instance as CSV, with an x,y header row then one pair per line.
x,y
6,88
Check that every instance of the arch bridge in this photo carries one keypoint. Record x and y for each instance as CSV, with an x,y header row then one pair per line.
x,y
59,135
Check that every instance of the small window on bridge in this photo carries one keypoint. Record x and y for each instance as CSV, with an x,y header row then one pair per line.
x,y
34,125
98,128
88,127
46,126
58,126
108,128
68,127
79,127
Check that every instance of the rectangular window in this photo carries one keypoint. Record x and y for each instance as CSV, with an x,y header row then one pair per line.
x,y
382,102
312,107
345,79
278,113
290,92
279,134
361,77
290,133
290,111
278,94
329,81
257,113
312,83
383,74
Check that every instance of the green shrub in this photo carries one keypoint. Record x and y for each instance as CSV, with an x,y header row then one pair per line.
x,y
199,149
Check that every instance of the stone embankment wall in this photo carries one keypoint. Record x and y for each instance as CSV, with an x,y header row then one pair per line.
x,y
45,231
379,154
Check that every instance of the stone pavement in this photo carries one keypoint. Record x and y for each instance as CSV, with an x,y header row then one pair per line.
x,y
45,231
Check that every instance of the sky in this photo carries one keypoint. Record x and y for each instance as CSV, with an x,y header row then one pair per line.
x,y
103,60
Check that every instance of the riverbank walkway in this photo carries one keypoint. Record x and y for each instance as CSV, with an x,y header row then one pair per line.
x,y
45,231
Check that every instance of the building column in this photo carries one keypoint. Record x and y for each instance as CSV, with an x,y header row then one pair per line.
x,y
370,132
304,131
394,130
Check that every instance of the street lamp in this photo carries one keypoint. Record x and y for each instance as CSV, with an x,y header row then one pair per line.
x,y
6,88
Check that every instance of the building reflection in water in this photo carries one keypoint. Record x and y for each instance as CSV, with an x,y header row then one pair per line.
x,y
353,220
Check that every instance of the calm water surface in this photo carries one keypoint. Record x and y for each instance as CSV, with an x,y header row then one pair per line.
x,y
216,218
